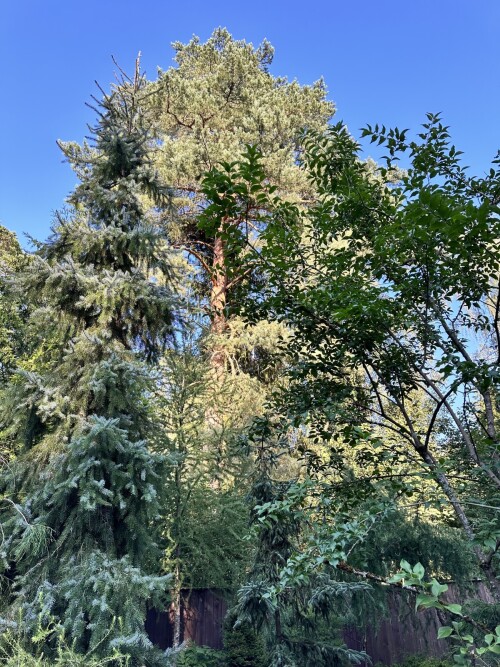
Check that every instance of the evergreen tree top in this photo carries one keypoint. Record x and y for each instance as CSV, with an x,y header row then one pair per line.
x,y
84,483
221,97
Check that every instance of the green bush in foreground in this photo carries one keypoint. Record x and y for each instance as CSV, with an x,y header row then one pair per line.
x,y
14,652
200,656
243,647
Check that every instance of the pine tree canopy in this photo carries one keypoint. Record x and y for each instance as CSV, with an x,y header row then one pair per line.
x,y
219,98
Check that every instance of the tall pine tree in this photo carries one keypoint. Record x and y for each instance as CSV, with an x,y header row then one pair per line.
x,y
219,98
79,502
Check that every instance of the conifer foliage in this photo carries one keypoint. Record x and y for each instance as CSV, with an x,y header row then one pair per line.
x,y
79,501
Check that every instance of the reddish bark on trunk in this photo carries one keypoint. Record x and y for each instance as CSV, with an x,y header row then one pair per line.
x,y
218,297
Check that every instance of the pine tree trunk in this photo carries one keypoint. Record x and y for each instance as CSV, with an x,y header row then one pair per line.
x,y
218,304
176,593
177,609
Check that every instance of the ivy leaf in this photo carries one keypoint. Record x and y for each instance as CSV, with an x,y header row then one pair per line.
x,y
419,571
437,588
444,632
425,601
454,609
405,565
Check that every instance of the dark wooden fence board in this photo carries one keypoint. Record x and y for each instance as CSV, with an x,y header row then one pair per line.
x,y
202,617
400,634
404,632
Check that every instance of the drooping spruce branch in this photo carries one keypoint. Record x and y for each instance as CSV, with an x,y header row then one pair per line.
x,y
102,308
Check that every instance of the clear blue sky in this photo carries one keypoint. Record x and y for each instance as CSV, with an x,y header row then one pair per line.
x,y
383,61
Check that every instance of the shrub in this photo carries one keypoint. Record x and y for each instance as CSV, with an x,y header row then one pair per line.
x,y
200,656
243,647
17,652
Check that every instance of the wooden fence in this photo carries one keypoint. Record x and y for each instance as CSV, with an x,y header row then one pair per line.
x,y
403,631
400,633
202,616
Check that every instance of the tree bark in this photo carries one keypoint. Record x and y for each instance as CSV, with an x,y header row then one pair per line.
x,y
485,563
218,297
176,604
